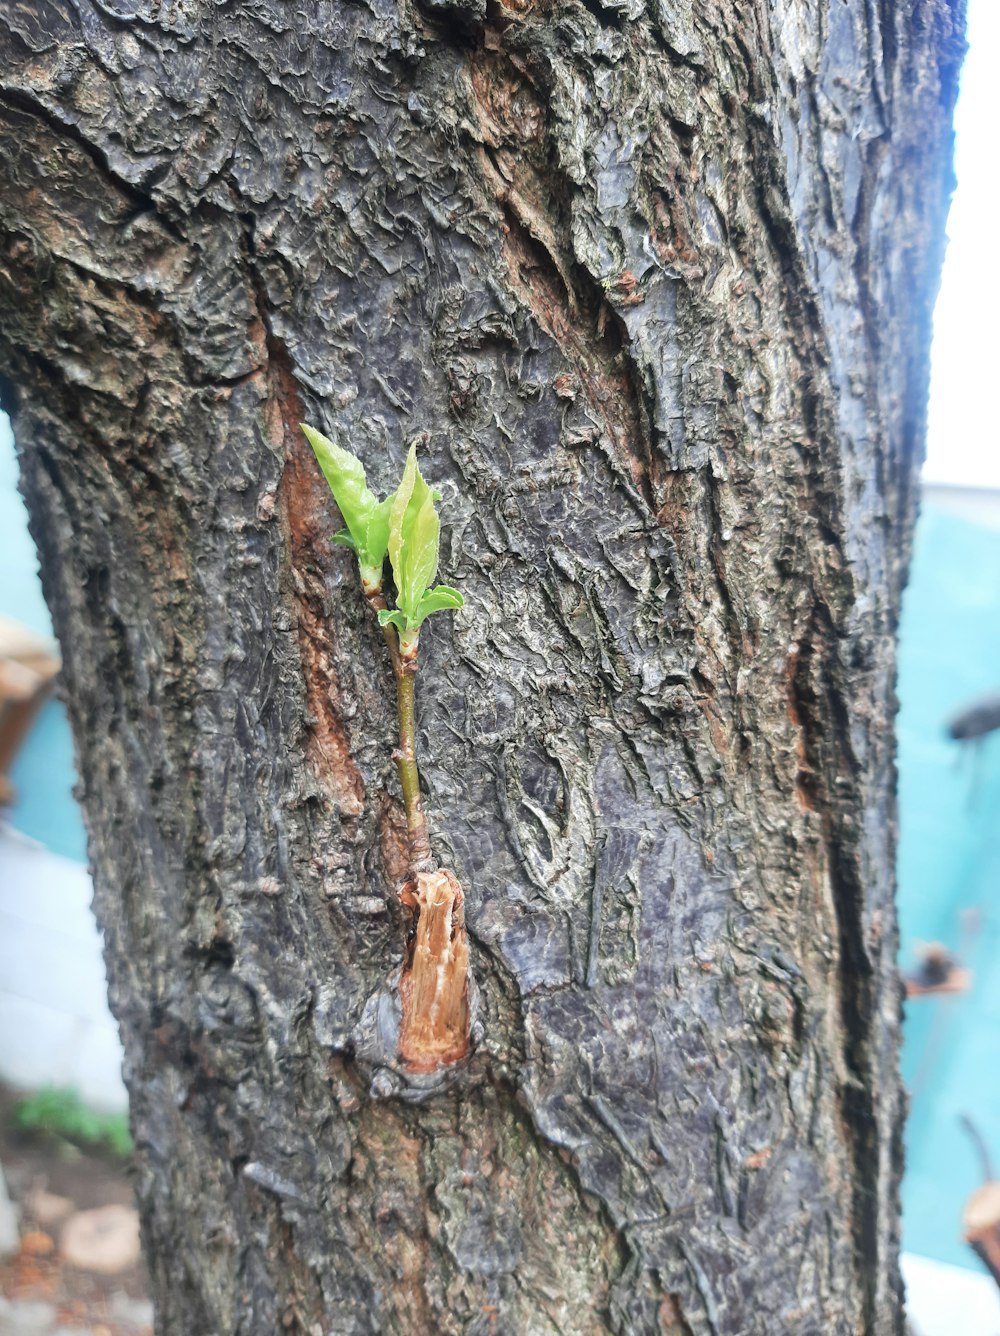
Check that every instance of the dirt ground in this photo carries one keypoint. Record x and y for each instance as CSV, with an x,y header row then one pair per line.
x,y
39,1167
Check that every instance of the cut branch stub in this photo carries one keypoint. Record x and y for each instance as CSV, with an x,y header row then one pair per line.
x,y
434,988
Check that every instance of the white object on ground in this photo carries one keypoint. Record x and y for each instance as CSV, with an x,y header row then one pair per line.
x,y
945,1300
105,1240
48,1209
55,1027
25,1317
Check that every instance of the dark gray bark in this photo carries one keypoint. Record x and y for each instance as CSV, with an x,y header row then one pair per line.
x,y
655,279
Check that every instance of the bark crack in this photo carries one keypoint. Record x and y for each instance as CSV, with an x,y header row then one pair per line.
x,y
305,510
519,164
142,201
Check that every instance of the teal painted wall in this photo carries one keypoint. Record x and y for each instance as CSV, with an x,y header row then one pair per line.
x,y
949,866
44,772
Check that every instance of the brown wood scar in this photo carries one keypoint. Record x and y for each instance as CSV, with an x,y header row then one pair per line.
x,y
434,987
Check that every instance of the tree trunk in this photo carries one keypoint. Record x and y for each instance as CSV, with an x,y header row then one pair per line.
x,y
653,284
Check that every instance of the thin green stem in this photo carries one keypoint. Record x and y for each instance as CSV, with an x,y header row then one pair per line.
x,y
406,763
405,756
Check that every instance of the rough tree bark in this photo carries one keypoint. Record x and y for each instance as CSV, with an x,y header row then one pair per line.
x,y
654,278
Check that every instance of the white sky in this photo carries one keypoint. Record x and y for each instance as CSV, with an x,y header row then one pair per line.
x,y
964,437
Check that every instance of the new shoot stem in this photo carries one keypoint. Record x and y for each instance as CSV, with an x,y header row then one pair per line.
x,y
409,779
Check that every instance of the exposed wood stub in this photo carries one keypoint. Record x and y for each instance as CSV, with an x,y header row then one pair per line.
x,y
434,988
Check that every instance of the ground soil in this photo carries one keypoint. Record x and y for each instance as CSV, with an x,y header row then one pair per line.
x,y
34,1161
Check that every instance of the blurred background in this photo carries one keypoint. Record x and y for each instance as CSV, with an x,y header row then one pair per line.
x,y
949,790
57,1038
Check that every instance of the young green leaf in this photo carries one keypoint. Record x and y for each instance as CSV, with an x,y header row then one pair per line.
x,y
377,531
414,543
392,618
345,475
365,517
411,494
439,600
423,542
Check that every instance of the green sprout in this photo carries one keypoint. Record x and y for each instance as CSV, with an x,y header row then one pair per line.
x,y
366,518
414,542
406,528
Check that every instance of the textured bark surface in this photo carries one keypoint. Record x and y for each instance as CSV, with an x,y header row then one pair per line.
x,y
654,278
